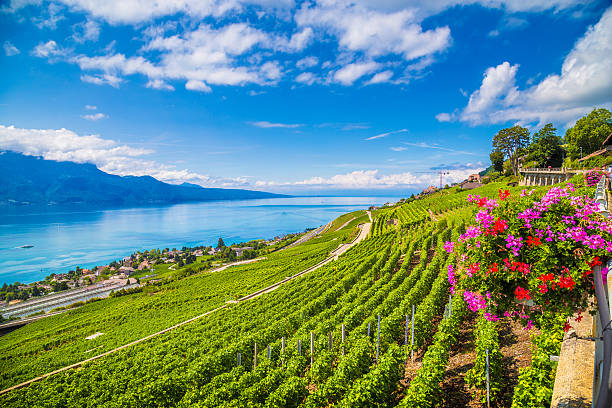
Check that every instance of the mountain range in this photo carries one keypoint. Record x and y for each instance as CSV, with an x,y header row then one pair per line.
x,y
31,180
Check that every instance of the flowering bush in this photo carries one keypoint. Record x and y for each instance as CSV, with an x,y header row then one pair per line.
x,y
525,256
592,177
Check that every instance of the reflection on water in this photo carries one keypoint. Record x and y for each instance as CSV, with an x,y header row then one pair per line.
x,y
64,239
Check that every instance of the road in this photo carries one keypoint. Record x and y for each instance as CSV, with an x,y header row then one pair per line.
x,y
365,229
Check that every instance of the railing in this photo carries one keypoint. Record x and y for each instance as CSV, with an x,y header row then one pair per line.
x,y
543,170
601,198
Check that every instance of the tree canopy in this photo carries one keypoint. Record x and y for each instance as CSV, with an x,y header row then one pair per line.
x,y
511,141
588,133
497,160
545,148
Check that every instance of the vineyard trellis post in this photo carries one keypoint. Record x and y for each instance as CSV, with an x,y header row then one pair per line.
x,y
343,335
269,352
488,379
299,345
239,359
450,305
283,350
331,341
311,348
368,329
255,357
406,332
412,337
378,340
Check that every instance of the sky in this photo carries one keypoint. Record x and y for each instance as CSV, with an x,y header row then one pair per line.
x,y
316,97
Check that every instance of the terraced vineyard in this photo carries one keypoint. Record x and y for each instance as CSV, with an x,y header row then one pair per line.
x,y
338,336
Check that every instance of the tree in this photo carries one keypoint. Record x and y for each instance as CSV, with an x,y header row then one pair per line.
x,y
220,243
511,141
545,148
588,133
497,160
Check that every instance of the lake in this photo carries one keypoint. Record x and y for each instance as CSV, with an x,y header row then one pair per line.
x,y
62,240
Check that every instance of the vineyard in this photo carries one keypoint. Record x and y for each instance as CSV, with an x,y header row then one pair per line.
x,y
378,327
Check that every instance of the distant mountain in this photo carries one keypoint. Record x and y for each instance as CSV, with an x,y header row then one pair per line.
x,y
32,180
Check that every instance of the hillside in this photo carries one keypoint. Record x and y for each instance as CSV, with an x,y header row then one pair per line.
x,y
26,180
211,362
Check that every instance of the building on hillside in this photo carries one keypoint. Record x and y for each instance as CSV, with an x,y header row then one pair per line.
x,y
475,178
240,250
144,265
468,185
606,149
127,270
198,252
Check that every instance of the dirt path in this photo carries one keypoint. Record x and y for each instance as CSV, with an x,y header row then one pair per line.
x,y
309,235
365,229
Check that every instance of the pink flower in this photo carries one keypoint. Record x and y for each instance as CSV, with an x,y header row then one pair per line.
x,y
449,246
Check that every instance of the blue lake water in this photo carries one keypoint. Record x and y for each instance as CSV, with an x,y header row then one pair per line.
x,y
63,240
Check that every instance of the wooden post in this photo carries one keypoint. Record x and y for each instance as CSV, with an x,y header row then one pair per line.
x,y
343,336
412,337
378,340
488,386
255,360
283,351
311,348
239,358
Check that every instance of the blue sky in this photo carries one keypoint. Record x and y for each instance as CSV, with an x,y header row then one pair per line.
x,y
313,97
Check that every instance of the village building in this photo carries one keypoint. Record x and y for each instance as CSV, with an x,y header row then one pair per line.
x,y
144,265
127,270
240,250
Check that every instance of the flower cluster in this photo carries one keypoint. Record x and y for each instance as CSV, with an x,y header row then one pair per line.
x,y
593,177
531,254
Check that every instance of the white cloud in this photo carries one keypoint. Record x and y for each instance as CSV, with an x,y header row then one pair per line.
x,y
10,49
373,32
198,86
105,79
297,42
379,136
307,62
351,72
444,117
160,84
88,30
51,18
372,179
381,77
585,82
266,125
91,107
50,49
108,155
94,116
399,148
307,78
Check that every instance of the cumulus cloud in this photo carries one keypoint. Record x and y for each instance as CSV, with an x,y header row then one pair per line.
x,y
373,32
373,179
266,125
105,79
88,30
351,72
91,107
381,77
307,62
585,82
108,155
307,78
94,116
10,49
198,86
50,49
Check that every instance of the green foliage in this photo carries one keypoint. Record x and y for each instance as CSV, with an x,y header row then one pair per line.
x,y
497,160
487,338
535,383
588,133
511,142
545,148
